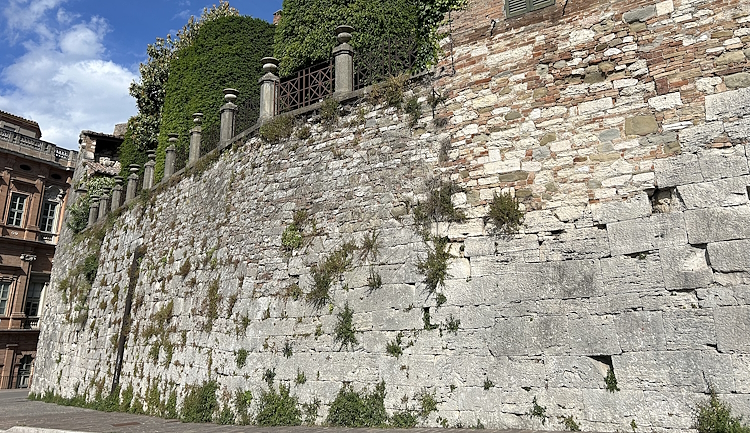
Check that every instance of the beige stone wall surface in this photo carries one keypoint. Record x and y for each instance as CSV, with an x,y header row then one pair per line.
x,y
621,127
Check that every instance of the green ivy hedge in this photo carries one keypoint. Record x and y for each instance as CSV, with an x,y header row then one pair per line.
x,y
225,53
306,36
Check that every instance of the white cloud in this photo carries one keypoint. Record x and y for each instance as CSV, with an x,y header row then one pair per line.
x,y
63,81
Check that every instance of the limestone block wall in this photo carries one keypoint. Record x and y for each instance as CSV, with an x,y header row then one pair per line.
x,y
622,129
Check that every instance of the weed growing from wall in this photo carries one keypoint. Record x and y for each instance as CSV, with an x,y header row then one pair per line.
x,y
403,419
569,423
370,246
452,324
325,273
277,129
344,333
435,266
200,403
414,110
287,350
611,381
538,411
393,348
211,305
329,111
355,409
715,415
427,404
505,214
374,281
268,376
310,411
487,384
301,378
438,208
240,357
278,408
242,400
390,91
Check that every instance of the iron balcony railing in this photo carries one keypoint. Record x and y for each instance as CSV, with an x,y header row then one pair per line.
x,y
391,58
306,87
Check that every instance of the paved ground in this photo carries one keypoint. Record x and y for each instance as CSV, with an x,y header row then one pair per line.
x,y
16,410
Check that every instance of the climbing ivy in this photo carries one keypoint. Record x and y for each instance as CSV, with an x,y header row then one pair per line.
x,y
305,34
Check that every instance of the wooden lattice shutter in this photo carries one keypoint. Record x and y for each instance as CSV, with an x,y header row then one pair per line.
x,y
538,4
515,7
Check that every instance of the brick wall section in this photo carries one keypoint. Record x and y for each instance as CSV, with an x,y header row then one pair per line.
x,y
580,104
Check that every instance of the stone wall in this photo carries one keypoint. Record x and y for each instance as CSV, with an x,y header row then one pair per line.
x,y
621,129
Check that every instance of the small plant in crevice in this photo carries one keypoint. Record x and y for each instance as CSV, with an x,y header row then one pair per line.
x,y
268,376
394,348
301,378
226,416
278,408
287,350
505,213
211,305
344,333
293,291
329,111
633,425
277,129
427,404
435,266
403,419
438,208
715,415
374,281
389,91
538,411
452,324
369,246
303,133
440,299
610,380
569,423
292,238
324,274
414,110
184,268
487,384
240,357
477,426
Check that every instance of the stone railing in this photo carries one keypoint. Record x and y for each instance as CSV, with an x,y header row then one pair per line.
x,y
39,148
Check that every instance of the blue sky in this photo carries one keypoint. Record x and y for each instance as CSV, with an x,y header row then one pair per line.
x,y
67,64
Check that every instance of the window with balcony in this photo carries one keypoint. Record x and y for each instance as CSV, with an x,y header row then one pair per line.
x,y
48,219
515,8
4,293
15,211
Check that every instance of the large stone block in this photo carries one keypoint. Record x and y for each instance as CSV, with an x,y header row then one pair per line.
x,y
644,234
717,224
636,206
719,164
641,125
556,280
661,371
700,136
578,244
622,274
685,267
593,335
579,372
678,170
733,329
718,193
731,256
640,331
529,335
735,103
689,329
639,15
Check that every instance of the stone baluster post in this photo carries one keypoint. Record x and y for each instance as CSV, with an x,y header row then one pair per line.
x,y
104,204
93,210
116,194
343,56
148,170
228,114
269,89
132,182
170,157
195,138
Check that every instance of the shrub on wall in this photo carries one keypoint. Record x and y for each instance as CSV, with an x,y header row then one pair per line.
x,y
305,34
225,53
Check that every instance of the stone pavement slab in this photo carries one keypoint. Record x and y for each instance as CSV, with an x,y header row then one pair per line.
x,y
20,415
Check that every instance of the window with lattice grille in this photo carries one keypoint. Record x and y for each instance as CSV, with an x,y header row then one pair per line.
x,y
518,7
